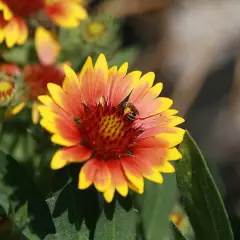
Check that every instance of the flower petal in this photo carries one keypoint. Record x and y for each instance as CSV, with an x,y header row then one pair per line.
x,y
93,86
154,157
64,101
172,139
123,69
118,88
101,65
12,33
132,174
16,109
48,125
102,178
68,155
35,113
67,134
109,194
87,173
88,66
163,103
45,99
173,154
47,47
71,80
66,14
167,167
57,94
23,31
118,178
152,142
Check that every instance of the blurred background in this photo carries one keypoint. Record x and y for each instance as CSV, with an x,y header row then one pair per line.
x,y
193,47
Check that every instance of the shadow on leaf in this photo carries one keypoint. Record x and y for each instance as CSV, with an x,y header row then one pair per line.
x,y
21,191
82,206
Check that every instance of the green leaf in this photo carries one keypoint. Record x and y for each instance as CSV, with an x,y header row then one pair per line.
x,y
200,195
155,206
177,233
20,54
27,206
79,214
118,221
74,212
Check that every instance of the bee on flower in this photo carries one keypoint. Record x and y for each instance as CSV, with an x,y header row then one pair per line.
x,y
13,28
88,117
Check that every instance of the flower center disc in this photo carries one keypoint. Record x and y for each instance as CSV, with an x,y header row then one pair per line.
x,y
96,29
108,131
6,90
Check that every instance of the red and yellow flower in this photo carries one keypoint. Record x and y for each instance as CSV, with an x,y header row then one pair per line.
x,y
120,144
10,89
13,27
37,76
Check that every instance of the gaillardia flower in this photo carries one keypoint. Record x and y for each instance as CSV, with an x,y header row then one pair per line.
x,y
115,123
12,24
11,90
12,27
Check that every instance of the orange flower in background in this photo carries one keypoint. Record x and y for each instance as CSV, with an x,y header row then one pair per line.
x,y
177,219
13,29
119,143
37,76
10,89
10,69
64,13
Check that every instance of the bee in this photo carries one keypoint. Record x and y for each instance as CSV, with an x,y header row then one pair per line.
x,y
130,110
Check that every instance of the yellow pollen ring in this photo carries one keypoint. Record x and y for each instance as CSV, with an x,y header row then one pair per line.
x,y
111,127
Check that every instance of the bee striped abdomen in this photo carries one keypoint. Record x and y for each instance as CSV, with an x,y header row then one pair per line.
x,y
131,116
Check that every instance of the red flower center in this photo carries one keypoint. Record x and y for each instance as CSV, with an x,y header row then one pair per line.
x,y
37,77
109,131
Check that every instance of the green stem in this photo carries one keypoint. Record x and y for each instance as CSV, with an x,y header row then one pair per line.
x,y
1,130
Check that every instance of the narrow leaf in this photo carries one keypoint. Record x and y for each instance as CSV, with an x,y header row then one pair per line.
x,y
118,221
155,206
74,212
200,195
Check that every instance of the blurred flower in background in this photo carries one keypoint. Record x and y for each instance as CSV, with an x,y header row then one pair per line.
x,y
11,90
37,76
95,30
121,143
99,33
13,27
179,217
